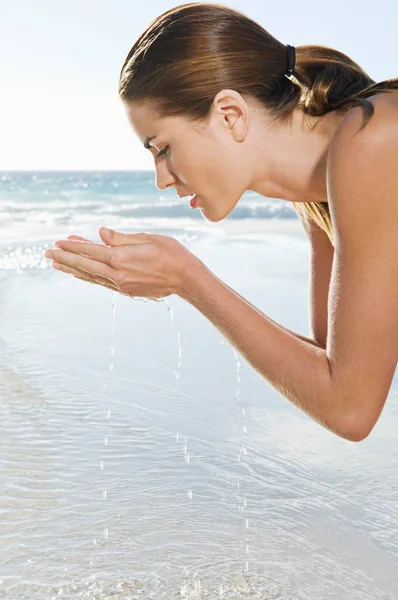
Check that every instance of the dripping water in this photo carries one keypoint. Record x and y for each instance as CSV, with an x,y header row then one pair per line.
x,y
179,349
177,374
242,450
107,412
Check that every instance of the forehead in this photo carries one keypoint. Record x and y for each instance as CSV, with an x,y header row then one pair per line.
x,y
146,122
141,116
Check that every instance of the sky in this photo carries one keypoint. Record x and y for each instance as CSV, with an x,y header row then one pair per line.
x,y
60,63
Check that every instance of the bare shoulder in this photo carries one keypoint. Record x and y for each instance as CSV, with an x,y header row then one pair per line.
x,y
362,170
385,116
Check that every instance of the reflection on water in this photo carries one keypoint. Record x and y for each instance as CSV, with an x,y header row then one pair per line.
x,y
22,258
131,470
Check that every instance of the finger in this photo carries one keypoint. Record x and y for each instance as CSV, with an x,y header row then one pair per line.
x,y
77,237
103,283
84,276
97,252
116,238
80,263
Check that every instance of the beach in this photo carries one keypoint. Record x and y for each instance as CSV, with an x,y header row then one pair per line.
x,y
143,457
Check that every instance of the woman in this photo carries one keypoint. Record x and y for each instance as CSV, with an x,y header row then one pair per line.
x,y
225,107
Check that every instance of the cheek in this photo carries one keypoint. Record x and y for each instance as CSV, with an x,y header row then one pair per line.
x,y
206,169
213,167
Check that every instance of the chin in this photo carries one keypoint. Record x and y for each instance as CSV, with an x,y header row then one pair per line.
x,y
213,216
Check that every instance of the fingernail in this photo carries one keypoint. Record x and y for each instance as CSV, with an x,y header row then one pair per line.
x,y
49,254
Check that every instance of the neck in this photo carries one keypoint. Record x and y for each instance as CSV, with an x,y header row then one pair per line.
x,y
296,156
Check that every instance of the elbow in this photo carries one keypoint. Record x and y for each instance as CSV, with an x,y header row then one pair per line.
x,y
358,414
358,436
356,430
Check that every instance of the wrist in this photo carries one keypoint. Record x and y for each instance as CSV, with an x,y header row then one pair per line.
x,y
193,273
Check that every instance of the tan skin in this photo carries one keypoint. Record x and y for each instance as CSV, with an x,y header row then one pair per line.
x,y
341,379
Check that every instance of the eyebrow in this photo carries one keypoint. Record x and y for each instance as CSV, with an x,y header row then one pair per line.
x,y
146,143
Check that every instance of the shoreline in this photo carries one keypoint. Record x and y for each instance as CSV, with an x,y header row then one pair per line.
x,y
26,233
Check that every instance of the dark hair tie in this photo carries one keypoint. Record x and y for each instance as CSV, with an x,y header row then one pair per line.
x,y
291,60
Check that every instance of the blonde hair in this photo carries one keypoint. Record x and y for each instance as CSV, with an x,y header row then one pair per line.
x,y
189,53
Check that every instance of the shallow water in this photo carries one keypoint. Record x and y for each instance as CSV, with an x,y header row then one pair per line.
x,y
133,482
141,457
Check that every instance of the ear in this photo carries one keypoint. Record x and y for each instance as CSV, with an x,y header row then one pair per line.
x,y
234,110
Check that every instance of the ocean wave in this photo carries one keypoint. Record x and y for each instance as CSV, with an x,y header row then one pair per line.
x,y
77,197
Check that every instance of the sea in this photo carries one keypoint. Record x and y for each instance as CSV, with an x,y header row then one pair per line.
x,y
140,455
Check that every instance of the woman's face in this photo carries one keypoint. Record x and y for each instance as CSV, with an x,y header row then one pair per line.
x,y
207,160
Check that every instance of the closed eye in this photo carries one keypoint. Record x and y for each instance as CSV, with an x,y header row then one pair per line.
x,y
162,152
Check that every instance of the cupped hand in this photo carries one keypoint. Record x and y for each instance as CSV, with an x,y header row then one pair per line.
x,y
136,265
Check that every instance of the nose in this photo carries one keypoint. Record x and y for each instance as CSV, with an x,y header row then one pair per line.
x,y
164,179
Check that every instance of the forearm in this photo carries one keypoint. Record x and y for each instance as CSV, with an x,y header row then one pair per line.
x,y
293,333
296,366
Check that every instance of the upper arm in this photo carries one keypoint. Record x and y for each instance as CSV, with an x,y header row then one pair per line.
x,y
321,259
362,344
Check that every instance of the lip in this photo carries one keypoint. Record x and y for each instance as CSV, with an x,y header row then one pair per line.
x,y
193,202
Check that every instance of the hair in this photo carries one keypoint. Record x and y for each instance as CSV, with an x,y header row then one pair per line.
x,y
192,51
